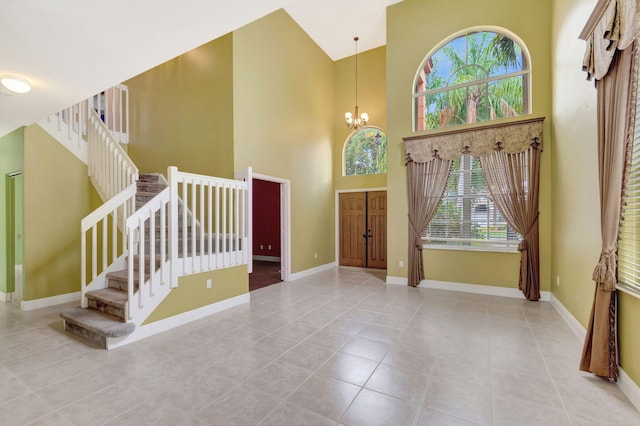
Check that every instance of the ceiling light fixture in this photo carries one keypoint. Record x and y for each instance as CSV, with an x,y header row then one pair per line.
x,y
15,84
355,121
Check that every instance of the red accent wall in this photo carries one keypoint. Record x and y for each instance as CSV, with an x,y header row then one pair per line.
x,y
266,218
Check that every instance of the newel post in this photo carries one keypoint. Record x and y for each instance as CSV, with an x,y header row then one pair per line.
x,y
172,175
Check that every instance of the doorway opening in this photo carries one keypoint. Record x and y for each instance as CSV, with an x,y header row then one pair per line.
x,y
362,228
14,226
270,231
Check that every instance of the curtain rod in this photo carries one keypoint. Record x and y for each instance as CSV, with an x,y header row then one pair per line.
x,y
471,129
593,20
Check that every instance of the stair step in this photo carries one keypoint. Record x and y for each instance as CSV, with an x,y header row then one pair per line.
x,y
145,196
147,261
151,187
94,326
119,280
144,200
149,177
108,300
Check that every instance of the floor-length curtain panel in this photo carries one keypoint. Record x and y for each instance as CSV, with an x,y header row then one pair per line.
x,y
513,181
426,183
616,101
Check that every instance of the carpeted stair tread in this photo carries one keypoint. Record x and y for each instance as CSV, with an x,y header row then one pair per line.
x,y
147,260
149,177
109,296
123,275
151,187
97,322
147,194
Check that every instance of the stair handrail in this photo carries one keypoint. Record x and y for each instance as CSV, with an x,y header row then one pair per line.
x,y
102,225
69,125
112,106
215,232
110,167
153,269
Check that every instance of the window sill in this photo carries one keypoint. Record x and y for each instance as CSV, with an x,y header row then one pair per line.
x,y
470,248
628,289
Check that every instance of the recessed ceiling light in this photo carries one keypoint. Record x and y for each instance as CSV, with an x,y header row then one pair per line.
x,y
15,84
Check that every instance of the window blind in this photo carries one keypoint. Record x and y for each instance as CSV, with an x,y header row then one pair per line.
x,y
629,232
466,215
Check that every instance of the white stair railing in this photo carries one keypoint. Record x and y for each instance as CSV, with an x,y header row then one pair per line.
x,y
214,233
69,126
198,224
110,168
112,106
147,239
103,244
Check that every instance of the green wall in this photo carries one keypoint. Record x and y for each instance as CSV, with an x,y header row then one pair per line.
x,y
414,28
469,267
58,194
192,291
576,209
19,218
372,98
182,112
11,160
284,117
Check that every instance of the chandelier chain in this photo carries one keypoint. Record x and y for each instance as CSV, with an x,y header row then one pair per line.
x,y
356,40
356,121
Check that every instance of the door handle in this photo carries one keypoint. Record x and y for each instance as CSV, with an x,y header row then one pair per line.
x,y
368,234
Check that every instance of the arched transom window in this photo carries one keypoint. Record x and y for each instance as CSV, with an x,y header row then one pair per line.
x,y
474,77
365,152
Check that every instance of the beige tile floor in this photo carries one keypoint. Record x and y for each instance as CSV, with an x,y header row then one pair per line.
x,y
337,348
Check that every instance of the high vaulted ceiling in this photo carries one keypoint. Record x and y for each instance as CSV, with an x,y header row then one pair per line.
x,y
71,49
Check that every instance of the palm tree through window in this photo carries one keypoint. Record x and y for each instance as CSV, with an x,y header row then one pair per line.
x,y
478,76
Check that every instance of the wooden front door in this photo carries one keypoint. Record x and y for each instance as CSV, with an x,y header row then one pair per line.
x,y
377,230
353,209
363,229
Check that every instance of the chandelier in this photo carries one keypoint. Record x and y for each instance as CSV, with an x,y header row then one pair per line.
x,y
356,121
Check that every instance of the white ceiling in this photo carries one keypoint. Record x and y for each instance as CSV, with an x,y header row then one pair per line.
x,y
72,49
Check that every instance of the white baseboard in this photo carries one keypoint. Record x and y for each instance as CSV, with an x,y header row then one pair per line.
x,y
267,258
177,320
28,305
625,383
307,272
629,388
571,321
488,290
397,280
5,297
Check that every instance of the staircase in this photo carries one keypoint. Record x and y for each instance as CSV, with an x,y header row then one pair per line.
x,y
105,315
149,232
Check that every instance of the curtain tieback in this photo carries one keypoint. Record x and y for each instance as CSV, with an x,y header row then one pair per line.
x,y
603,274
416,232
524,244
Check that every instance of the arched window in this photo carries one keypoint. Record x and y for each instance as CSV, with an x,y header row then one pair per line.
x,y
474,77
365,152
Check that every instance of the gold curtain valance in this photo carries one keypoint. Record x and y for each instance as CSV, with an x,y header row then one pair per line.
x,y
614,24
508,137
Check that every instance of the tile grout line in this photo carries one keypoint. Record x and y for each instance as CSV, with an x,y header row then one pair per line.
x,y
546,366
289,350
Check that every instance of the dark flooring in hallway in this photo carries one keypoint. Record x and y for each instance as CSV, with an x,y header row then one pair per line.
x,y
264,274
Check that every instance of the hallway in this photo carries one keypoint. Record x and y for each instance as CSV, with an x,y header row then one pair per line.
x,y
338,347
